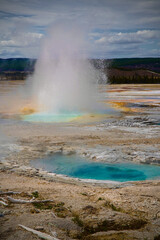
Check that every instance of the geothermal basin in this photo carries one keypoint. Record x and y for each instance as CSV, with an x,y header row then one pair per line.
x,y
83,168
117,145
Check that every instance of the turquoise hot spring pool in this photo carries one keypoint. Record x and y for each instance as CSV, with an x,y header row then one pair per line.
x,y
83,168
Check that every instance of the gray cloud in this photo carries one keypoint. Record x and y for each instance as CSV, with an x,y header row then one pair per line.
x,y
111,24
139,36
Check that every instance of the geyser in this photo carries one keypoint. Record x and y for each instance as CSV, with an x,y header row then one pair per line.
x,y
64,81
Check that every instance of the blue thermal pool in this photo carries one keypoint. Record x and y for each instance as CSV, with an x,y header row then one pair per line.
x,y
64,116
48,117
78,167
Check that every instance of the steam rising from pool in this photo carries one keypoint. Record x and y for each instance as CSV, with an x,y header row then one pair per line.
x,y
64,81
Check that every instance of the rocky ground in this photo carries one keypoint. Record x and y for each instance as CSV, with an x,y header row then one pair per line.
x,y
78,209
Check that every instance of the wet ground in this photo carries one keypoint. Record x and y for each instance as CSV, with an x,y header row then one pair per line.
x,y
99,210
128,131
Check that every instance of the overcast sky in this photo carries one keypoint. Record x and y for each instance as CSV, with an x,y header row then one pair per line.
x,y
115,28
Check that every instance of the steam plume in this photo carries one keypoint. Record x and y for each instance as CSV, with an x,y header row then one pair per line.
x,y
64,80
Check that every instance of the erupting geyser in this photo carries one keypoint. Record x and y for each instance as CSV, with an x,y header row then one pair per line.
x,y
64,81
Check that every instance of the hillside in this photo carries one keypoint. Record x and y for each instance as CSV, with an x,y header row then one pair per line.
x,y
152,64
118,71
130,70
17,65
139,76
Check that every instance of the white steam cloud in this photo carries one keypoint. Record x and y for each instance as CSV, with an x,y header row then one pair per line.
x,y
64,80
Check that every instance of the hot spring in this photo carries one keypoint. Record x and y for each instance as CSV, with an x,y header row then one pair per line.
x,y
64,88
64,83
79,167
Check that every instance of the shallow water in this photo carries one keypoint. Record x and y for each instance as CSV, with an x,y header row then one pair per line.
x,y
48,117
78,167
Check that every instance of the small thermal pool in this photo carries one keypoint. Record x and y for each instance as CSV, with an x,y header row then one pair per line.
x,y
62,117
48,117
79,167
